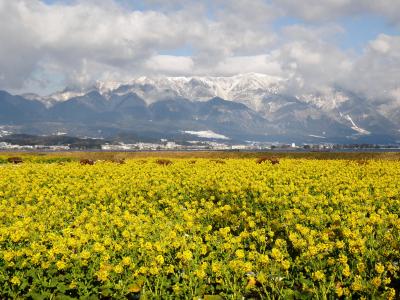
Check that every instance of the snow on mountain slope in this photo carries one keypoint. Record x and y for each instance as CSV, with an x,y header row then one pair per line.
x,y
47,101
246,104
204,88
66,95
251,89
267,96
355,127
326,101
248,89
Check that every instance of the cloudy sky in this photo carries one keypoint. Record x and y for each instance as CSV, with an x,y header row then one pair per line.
x,y
46,45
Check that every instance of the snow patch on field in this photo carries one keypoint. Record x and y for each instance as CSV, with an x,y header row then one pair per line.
x,y
317,136
209,134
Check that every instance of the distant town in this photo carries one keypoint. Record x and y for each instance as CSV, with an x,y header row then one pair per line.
x,y
165,145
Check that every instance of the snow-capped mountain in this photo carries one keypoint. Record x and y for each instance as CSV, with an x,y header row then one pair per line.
x,y
248,89
242,107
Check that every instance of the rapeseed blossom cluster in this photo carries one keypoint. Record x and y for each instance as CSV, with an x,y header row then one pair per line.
x,y
298,229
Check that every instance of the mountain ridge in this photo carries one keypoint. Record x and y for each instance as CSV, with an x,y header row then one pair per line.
x,y
246,105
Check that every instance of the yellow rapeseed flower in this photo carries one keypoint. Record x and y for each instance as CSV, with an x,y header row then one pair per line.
x,y
318,275
239,253
379,268
61,265
376,281
187,255
15,280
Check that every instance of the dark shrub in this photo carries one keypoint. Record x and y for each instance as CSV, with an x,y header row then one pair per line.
x,y
164,162
218,161
87,162
273,160
15,160
118,161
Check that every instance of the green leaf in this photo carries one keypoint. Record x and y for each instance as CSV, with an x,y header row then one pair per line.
x,y
106,292
62,288
213,297
41,296
64,297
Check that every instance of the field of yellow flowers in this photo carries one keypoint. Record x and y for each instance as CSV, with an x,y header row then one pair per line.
x,y
200,229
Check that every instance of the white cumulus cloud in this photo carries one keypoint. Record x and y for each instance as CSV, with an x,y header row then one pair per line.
x,y
44,47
